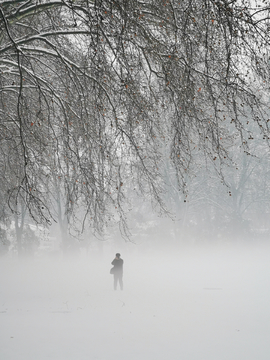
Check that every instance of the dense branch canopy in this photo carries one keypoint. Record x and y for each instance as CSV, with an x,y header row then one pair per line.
x,y
98,94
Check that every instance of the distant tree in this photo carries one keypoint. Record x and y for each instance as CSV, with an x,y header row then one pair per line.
x,y
30,241
4,242
230,206
91,90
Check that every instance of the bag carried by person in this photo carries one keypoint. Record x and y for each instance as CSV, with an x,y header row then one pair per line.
x,y
112,270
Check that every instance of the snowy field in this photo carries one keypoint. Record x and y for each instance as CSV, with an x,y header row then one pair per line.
x,y
190,304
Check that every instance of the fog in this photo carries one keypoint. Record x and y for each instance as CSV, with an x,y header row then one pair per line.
x,y
187,303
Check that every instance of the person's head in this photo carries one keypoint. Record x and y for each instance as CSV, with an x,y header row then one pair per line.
x,y
117,255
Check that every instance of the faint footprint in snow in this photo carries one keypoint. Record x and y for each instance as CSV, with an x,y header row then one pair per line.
x,y
123,304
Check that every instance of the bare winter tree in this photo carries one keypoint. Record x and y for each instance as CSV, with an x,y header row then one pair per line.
x,y
91,91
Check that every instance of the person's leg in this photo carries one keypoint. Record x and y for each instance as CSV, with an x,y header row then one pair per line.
x,y
121,281
115,281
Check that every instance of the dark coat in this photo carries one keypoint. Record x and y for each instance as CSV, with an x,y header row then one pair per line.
x,y
118,266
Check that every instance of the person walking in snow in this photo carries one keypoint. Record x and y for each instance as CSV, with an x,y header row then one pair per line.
x,y
118,271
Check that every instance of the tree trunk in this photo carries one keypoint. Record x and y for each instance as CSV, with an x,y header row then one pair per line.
x,y
19,231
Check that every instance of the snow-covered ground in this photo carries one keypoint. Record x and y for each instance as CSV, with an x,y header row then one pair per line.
x,y
190,304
